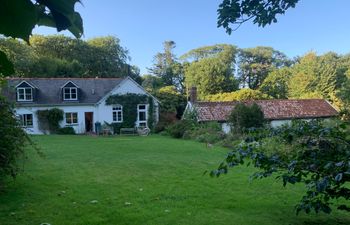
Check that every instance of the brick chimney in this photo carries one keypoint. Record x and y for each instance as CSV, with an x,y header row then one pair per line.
x,y
193,95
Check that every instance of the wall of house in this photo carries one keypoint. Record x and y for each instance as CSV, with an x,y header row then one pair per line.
x,y
79,127
101,111
278,123
104,111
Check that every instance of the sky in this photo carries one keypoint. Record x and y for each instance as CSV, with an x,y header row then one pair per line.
x,y
143,25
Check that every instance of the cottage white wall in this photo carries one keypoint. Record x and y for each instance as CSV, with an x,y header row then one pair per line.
x,y
104,111
79,128
278,123
226,128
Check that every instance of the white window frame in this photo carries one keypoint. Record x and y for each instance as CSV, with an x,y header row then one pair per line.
x,y
116,109
25,99
70,93
24,120
70,118
143,122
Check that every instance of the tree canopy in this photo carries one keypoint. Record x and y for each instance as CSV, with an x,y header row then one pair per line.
x,y
233,13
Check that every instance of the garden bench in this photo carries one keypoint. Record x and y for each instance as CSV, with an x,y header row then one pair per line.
x,y
127,131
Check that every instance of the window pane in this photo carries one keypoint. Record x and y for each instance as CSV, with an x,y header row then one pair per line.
x,y
68,118
74,96
66,96
28,91
73,90
142,116
119,116
142,106
75,117
66,91
114,116
29,120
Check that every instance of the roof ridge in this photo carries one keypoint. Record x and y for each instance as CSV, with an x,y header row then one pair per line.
x,y
65,78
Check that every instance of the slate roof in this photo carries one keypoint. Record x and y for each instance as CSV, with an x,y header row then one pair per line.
x,y
273,109
49,90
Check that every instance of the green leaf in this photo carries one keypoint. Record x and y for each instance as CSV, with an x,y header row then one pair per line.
x,y
6,67
64,16
17,18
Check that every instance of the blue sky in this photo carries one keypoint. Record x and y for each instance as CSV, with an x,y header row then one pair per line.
x,y
142,26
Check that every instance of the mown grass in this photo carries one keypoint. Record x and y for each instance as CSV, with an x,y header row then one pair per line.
x,y
144,180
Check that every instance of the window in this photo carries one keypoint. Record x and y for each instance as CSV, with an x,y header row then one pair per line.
x,y
142,115
24,94
26,120
117,112
72,118
70,93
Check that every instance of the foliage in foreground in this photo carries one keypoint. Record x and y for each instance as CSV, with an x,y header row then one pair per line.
x,y
309,153
12,142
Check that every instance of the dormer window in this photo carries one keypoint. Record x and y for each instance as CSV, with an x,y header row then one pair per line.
x,y
24,92
70,91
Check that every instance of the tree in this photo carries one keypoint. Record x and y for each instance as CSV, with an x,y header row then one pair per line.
x,y
212,71
61,56
256,63
151,83
316,77
262,12
239,95
167,67
276,83
27,14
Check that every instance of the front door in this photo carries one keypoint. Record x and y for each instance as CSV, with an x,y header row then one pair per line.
x,y
89,121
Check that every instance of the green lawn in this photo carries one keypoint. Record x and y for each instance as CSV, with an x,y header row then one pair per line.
x,y
143,180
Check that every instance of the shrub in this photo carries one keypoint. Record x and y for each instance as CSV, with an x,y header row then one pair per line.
x,y
165,119
178,129
12,142
66,130
244,116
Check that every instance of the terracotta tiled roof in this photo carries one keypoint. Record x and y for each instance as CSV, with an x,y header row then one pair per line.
x,y
273,109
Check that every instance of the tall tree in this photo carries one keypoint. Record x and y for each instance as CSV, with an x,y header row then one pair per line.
x,y
256,63
61,56
212,70
167,67
316,77
276,83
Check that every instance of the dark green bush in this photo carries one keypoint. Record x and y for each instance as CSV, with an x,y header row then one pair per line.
x,y
246,116
178,129
13,140
66,130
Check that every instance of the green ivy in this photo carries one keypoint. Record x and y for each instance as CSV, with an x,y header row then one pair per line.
x,y
49,120
129,102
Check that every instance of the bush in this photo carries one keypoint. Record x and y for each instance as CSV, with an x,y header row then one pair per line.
x,y
12,142
244,116
178,129
66,130
165,120
206,132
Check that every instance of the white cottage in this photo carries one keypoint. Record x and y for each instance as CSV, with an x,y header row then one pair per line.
x,y
276,111
83,101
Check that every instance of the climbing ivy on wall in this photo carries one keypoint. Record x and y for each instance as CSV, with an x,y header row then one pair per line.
x,y
49,120
129,102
